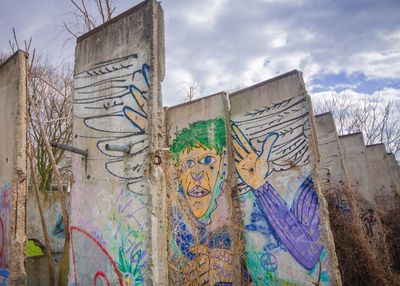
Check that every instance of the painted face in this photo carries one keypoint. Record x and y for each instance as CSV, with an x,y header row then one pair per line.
x,y
200,170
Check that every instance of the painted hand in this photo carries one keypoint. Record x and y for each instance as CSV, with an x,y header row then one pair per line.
x,y
252,166
138,116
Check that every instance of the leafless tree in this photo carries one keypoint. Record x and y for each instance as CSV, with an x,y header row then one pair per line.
x,y
51,90
191,89
376,118
87,16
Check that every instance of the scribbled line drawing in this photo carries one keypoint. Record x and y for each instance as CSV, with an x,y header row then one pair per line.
x,y
5,215
289,119
368,217
83,243
273,139
131,262
111,100
198,152
58,228
338,200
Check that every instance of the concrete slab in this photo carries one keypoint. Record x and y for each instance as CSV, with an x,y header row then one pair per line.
x,y
38,271
331,171
50,202
394,170
13,169
203,245
359,178
117,223
276,155
381,177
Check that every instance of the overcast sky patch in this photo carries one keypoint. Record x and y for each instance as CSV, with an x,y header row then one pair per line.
x,y
229,44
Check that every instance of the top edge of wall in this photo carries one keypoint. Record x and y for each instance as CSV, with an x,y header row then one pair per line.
x,y
196,100
375,145
279,77
113,20
323,114
351,134
13,56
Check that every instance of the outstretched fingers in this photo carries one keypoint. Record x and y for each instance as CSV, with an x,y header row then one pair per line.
x,y
136,118
139,98
240,143
268,144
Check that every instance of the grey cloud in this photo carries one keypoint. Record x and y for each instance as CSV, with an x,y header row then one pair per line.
x,y
319,36
328,33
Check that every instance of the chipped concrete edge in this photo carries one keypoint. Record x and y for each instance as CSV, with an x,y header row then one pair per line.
x,y
325,228
18,238
157,187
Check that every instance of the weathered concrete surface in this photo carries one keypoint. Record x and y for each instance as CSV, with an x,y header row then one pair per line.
x,y
38,272
352,248
275,152
331,171
13,183
359,178
51,205
117,223
203,245
381,177
394,170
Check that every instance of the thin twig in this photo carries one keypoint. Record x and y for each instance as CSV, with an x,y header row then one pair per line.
x,y
69,31
15,38
42,219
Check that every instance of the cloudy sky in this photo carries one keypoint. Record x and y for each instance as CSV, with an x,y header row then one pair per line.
x,y
341,46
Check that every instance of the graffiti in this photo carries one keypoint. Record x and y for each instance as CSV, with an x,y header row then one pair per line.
x,y
131,267
83,243
339,201
200,160
2,237
58,228
204,255
271,143
110,106
115,95
368,217
5,216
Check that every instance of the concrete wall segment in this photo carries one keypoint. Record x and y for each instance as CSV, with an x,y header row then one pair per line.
x,y
117,101
331,170
50,202
394,169
359,177
203,241
381,177
279,108
13,169
355,160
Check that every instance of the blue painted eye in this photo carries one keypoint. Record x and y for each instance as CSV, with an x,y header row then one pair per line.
x,y
189,163
207,160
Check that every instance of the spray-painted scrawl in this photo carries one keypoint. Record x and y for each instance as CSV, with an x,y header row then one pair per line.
x,y
278,201
200,241
111,103
5,217
120,111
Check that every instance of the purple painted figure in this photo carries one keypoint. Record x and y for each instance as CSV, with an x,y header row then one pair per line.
x,y
297,228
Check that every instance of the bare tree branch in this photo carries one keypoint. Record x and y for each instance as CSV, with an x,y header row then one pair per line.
x,y
375,119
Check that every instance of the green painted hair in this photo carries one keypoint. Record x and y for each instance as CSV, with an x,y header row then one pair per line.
x,y
206,133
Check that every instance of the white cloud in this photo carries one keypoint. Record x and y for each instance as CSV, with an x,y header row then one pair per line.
x,y
354,98
204,13
226,44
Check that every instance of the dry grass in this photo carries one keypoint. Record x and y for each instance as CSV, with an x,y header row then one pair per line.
x,y
357,262
391,223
